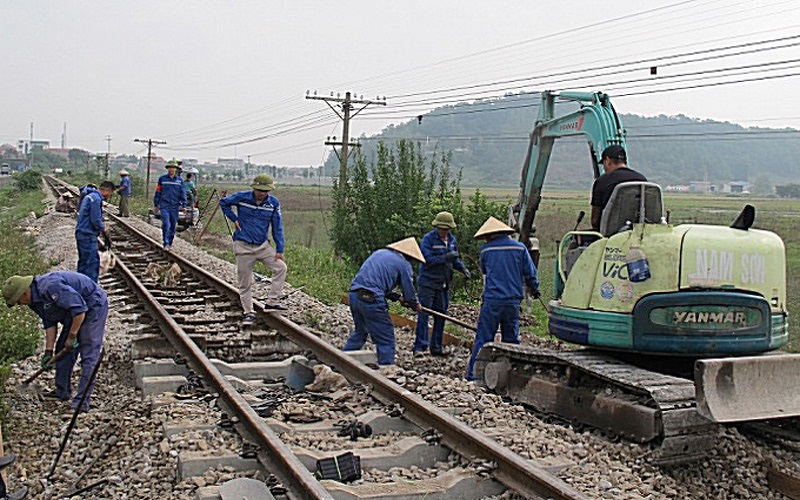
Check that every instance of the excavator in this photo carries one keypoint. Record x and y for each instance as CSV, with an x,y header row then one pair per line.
x,y
662,357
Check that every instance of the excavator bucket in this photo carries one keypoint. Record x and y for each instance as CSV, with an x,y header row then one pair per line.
x,y
748,388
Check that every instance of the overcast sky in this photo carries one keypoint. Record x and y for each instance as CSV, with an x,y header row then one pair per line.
x,y
228,78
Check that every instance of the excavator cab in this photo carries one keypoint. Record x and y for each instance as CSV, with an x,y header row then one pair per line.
x,y
631,202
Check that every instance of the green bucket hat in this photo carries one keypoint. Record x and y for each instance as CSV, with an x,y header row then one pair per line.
x,y
263,182
444,219
14,287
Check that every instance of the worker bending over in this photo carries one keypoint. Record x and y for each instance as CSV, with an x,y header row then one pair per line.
x,y
81,306
378,276
441,258
89,226
507,268
256,212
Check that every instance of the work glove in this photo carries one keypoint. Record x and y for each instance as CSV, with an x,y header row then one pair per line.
x,y
107,241
48,355
467,274
536,294
71,343
451,256
393,296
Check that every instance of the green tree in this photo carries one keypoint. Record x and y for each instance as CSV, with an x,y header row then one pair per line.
x,y
397,196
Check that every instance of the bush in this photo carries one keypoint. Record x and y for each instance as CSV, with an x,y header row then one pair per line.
x,y
397,196
28,180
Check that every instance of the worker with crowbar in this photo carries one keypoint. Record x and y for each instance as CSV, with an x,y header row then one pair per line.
x,y
81,306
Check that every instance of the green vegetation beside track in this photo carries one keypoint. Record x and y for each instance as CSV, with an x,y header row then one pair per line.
x,y
19,327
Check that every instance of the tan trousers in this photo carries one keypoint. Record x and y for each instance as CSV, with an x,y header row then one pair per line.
x,y
123,206
246,257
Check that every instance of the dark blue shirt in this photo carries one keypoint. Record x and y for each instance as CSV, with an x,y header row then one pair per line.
x,y
382,272
437,272
59,296
506,265
90,215
170,192
124,186
254,219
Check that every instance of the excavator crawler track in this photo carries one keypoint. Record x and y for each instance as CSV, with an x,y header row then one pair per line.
x,y
593,388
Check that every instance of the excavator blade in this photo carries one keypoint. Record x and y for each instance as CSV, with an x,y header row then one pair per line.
x,y
748,388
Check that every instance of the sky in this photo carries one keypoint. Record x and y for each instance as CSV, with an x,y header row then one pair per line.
x,y
229,78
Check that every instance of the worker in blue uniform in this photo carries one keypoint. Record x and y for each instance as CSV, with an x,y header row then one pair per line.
x,y
256,212
439,248
124,192
81,306
89,226
378,276
507,268
170,196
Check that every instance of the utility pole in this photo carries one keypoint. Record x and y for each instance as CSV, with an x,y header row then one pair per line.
x,y
108,156
149,143
345,115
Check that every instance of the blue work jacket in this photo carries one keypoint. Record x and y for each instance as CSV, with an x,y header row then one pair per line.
x,y
437,272
124,186
90,215
506,265
255,220
59,296
170,192
382,272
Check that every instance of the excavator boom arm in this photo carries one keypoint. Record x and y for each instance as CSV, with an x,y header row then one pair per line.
x,y
596,120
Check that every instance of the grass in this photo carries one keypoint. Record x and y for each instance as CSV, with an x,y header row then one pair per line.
x,y
20,333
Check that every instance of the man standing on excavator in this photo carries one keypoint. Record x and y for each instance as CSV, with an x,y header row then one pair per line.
x,y
507,269
616,171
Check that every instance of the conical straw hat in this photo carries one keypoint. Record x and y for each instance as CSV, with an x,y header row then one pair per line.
x,y
408,247
492,225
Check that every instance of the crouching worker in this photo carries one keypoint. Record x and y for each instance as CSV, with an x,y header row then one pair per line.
x,y
379,274
507,268
81,306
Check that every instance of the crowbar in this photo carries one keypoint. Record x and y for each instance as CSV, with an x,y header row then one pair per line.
x,y
449,318
61,354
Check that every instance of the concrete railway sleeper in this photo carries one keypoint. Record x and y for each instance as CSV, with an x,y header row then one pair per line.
x,y
421,422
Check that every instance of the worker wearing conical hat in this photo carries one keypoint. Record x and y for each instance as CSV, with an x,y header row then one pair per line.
x,y
440,250
378,276
507,268
124,192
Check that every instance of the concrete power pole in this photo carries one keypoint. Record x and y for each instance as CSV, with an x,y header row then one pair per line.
x,y
108,156
149,143
345,115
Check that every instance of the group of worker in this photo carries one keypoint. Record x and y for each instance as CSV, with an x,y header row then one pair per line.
x,y
79,304
505,263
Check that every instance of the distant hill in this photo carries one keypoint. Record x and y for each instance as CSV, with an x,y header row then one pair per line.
x,y
488,139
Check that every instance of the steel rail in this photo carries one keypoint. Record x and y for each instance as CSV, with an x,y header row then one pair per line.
x,y
512,470
273,453
518,474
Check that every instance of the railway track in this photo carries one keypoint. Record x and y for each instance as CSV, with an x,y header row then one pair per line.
x,y
198,313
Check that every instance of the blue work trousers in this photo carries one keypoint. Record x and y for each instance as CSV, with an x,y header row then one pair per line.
x,y
373,319
437,299
88,256
169,223
90,343
493,314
